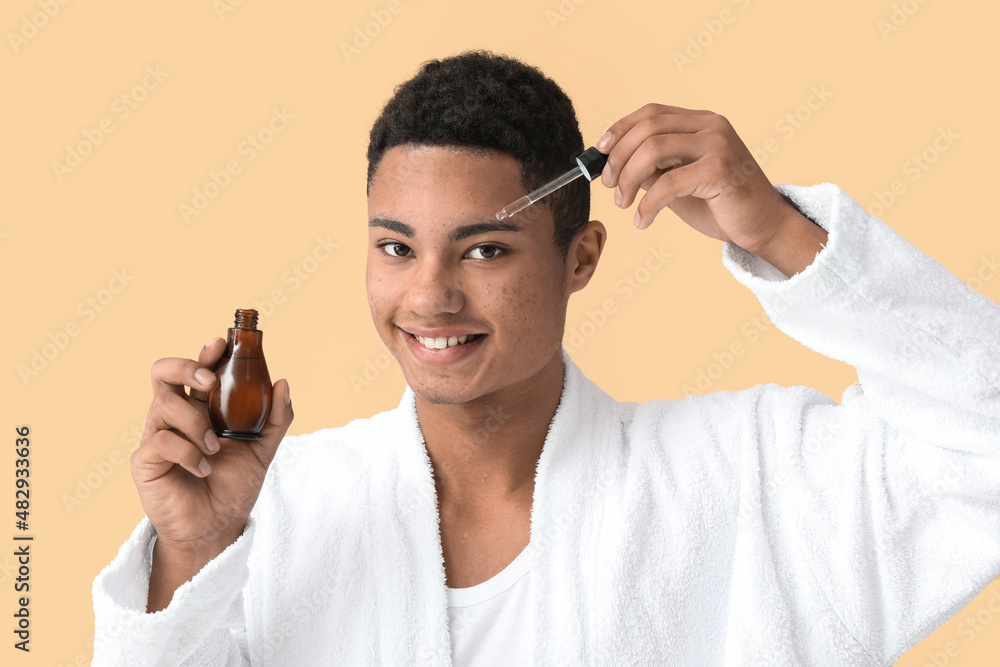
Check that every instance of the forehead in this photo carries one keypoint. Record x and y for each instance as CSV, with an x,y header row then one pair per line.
x,y
437,178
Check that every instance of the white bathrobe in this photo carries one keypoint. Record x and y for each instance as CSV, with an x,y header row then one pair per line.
x,y
767,526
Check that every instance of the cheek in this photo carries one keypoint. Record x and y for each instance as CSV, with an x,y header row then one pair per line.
x,y
522,302
377,288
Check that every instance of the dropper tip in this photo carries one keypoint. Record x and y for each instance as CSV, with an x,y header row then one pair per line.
x,y
501,215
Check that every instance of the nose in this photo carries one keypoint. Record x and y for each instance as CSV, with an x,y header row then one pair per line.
x,y
433,288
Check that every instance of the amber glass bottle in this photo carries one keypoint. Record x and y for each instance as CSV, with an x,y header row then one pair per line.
x,y
240,402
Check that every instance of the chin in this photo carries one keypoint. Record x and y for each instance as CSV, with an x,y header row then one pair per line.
x,y
438,399
444,389
440,395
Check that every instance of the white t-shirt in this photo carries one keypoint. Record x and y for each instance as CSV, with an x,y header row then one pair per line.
x,y
490,622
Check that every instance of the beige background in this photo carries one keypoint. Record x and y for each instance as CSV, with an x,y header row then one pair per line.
x,y
225,67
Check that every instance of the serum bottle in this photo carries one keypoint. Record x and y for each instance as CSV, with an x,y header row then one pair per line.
x,y
240,402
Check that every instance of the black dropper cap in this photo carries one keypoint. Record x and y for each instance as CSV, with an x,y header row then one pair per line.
x,y
592,163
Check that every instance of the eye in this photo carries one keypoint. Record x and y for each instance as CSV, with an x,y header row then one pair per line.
x,y
393,247
490,251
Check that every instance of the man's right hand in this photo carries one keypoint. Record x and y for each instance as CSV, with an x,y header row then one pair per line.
x,y
198,489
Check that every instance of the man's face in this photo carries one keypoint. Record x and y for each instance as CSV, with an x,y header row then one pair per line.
x,y
441,267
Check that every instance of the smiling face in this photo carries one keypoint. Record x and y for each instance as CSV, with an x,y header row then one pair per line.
x,y
442,268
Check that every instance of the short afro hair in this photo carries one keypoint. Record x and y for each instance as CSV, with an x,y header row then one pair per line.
x,y
487,102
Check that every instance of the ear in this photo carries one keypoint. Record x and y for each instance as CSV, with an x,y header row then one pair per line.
x,y
584,253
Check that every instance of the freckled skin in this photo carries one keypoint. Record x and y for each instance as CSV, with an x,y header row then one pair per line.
x,y
518,299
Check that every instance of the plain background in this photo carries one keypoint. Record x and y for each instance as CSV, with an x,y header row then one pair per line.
x,y
845,92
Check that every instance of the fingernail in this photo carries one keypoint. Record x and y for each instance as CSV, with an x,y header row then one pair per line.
x,y
604,141
211,441
288,395
204,467
636,219
606,174
210,342
204,376
618,196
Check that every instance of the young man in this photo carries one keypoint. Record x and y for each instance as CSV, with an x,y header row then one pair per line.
x,y
510,512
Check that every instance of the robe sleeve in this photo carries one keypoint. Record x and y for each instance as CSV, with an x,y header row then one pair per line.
x,y
892,496
204,624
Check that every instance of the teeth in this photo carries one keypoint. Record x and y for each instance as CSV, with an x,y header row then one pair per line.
x,y
443,342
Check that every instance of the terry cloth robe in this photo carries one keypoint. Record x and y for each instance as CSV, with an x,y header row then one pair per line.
x,y
767,526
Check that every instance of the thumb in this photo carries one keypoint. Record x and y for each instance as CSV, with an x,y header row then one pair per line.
x,y
278,420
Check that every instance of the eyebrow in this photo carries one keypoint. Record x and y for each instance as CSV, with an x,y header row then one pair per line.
x,y
457,234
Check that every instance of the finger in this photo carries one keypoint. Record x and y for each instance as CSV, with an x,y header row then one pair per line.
x,y
172,374
170,411
278,421
160,453
689,180
209,357
625,123
620,128
658,154
645,128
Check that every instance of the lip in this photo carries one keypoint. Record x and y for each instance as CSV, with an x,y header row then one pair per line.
x,y
448,355
439,333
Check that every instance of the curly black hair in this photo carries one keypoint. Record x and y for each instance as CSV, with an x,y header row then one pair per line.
x,y
487,102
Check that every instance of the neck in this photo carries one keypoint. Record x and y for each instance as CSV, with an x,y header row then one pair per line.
x,y
486,450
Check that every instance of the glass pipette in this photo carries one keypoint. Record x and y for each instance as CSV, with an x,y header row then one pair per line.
x,y
590,163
